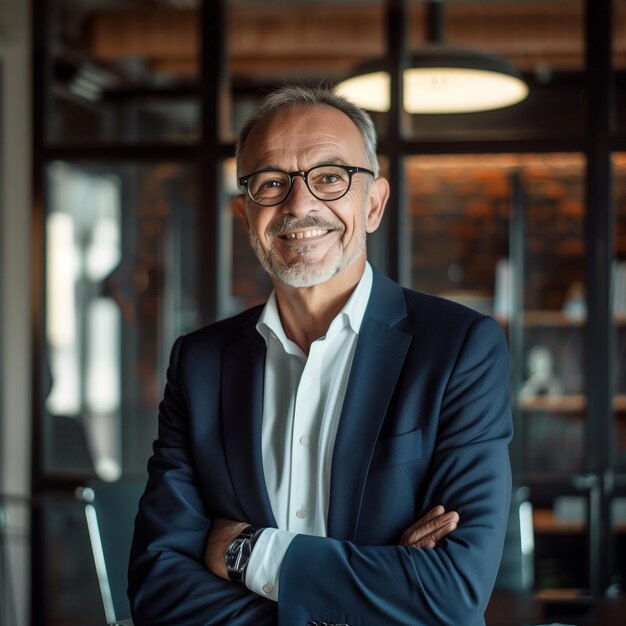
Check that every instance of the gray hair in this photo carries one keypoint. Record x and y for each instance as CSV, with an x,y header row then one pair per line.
x,y
297,94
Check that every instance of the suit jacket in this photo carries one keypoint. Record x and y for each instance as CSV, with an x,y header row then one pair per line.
x,y
425,420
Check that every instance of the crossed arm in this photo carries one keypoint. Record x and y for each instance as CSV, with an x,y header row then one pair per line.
x,y
426,532
177,576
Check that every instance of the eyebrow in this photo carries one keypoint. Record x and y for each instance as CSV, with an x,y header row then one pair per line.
x,y
331,161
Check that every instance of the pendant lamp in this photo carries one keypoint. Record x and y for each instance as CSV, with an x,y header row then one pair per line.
x,y
439,78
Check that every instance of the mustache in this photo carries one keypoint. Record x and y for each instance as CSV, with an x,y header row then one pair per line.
x,y
293,223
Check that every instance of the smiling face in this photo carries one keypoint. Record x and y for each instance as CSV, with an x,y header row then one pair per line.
x,y
304,241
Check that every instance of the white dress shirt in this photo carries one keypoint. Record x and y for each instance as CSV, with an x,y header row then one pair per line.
x,y
302,401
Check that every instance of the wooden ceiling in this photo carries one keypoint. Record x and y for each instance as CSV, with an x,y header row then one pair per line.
x,y
290,40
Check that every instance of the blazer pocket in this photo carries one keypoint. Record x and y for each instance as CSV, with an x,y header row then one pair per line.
x,y
397,450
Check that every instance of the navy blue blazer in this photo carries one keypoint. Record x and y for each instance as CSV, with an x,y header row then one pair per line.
x,y
426,420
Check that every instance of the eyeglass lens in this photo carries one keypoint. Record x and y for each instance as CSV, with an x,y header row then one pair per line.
x,y
326,182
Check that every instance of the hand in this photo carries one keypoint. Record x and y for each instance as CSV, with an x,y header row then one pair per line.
x,y
223,532
430,529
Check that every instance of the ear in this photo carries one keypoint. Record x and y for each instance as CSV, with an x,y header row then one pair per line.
x,y
378,196
239,206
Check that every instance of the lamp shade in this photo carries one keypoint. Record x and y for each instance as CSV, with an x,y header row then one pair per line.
x,y
440,79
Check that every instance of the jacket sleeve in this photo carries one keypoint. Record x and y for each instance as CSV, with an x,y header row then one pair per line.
x,y
337,581
168,582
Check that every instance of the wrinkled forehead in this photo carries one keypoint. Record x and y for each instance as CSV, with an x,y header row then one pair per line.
x,y
302,132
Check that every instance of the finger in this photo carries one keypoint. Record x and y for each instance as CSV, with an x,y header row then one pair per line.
x,y
432,527
435,512
420,531
431,515
434,538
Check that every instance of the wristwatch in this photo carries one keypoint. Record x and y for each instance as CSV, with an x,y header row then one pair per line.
x,y
238,553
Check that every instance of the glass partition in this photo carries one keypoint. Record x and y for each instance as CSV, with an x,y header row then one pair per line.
x,y
121,71
618,445
272,42
619,308
459,208
503,234
120,287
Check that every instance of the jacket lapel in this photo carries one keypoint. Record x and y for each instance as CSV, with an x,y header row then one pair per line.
x,y
243,369
378,359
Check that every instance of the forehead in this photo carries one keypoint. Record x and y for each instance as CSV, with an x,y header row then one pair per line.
x,y
302,135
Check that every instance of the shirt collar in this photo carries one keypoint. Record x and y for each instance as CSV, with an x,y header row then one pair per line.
x,y
352,313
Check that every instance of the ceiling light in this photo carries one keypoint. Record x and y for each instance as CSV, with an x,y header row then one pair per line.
x,y
440,78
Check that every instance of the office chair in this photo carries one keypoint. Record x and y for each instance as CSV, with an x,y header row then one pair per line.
x,y
110,510
516,571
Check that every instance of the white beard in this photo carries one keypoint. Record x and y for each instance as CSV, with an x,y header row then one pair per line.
x,y
301,272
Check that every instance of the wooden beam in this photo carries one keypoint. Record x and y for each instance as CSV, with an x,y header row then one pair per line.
x,y
286,40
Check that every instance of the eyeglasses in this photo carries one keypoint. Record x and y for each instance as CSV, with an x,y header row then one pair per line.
x,y
325,182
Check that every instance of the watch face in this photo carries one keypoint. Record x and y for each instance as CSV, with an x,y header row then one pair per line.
x,y
237,556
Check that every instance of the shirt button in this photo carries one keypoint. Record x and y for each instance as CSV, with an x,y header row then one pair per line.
x,y
305,440
300,513
267,588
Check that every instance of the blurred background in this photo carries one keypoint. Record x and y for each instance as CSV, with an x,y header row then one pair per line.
x,y
118,119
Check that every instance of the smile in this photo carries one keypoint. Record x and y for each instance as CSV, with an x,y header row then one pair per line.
x,y
305,234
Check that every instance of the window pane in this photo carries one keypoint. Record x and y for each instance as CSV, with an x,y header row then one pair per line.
x,y
619,307
123,71
121,286
459,210
503,234
317,40
619,402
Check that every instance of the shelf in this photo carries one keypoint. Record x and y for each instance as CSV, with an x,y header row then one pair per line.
x,y
564,595
556,404
574,403
555,319
545,523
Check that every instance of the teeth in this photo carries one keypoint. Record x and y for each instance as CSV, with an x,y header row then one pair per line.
x,y
306,234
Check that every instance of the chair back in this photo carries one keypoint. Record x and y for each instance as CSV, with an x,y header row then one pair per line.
x,y
110,510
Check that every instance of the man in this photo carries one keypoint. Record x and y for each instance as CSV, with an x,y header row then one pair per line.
x,y
338,456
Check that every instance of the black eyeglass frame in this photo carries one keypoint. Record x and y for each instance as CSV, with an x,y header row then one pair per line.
x,y
349,169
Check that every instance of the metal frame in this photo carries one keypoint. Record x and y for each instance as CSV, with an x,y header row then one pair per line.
x,y
86,495
98,557
399,233
599,330
393,244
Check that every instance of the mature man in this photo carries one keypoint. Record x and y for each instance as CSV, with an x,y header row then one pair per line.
x,y
339,455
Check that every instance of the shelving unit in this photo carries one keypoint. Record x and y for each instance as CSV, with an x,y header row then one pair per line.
x,y
565,403
539,319
547,523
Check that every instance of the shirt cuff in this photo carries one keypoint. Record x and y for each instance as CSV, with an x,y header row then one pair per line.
x,y
267,557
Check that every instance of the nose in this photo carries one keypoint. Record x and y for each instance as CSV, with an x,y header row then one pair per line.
x,y
300,200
